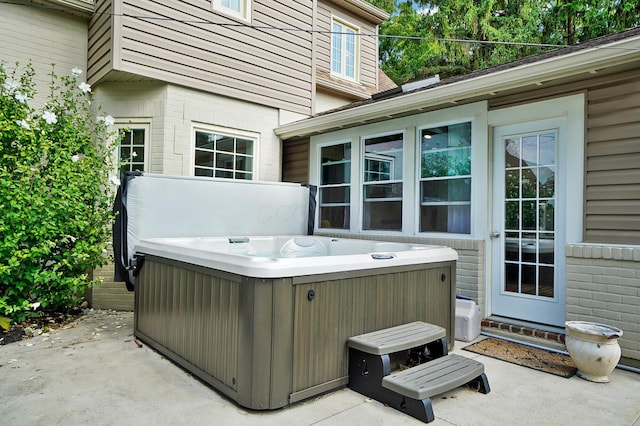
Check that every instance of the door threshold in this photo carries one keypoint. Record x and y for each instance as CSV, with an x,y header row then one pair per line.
x,y
551,337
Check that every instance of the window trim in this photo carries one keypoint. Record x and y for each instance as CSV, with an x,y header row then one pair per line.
x,y
362,183
475,112
235,133
356,66
475,177
124,124
319,148
244,14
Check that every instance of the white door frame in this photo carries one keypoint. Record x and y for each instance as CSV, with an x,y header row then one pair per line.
x,y
570,169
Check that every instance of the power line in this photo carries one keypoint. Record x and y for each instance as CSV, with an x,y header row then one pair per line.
x,y
311,31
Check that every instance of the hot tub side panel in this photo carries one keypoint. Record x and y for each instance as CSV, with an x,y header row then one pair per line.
x,y
192,315
269,342
329,309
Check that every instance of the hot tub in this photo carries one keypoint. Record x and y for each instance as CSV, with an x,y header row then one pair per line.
x,y
265,319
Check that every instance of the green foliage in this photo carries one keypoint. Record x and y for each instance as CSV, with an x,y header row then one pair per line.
x,y
452,37
56,207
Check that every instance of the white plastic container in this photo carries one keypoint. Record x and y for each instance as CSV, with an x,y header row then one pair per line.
x,y
467,320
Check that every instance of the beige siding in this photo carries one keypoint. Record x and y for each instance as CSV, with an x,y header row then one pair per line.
x,y
185,42
42,37
612,151
612,210
295,161
100,56
368,45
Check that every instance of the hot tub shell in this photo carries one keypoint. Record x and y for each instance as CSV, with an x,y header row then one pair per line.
x,y
269,333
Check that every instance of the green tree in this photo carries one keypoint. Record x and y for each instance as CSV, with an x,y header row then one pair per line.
x,y
56,209
451,37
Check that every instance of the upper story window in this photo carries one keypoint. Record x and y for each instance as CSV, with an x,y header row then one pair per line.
x,y
335,186
344,50
132,148
445,179
223,155
237,8
382,183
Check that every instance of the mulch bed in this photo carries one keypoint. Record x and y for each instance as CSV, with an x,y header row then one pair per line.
x,y
36,326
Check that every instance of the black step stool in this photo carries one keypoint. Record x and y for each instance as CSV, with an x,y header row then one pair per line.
x,y
373,356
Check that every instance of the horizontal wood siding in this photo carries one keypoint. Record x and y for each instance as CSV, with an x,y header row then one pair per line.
x,y
612,193
100,49
368,45
186,43
612,153
295,161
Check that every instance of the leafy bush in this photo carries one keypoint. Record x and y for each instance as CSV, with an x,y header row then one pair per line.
x,y
55,201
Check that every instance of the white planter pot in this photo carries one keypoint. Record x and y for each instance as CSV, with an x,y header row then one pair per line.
x,y
594,349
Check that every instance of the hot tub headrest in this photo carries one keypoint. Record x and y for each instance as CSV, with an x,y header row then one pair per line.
x,y
302,247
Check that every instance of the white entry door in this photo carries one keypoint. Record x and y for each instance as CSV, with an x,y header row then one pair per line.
x,y
527,246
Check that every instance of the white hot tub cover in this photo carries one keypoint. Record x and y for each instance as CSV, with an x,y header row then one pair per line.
x,y
152,206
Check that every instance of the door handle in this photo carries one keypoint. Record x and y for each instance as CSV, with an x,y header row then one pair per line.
x,y
495,234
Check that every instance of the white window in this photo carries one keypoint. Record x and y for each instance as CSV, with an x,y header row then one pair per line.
x,y
237,8
223,155
335,186
132,147
382,183
344,50
445,179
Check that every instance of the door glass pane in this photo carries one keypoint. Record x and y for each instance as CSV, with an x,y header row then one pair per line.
x,y
512,184
512,246
529,222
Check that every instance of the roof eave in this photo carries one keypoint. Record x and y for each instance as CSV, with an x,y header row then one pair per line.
x,y
589,60
364,9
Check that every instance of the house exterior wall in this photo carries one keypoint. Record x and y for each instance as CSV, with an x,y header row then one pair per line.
x,y
368,46
603,285
295,156
190,44
100,56
601,277
612,208
43,37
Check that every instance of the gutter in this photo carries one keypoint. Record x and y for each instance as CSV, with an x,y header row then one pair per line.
x,y
535,73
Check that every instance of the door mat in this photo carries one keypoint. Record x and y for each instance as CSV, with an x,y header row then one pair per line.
x,y
527,356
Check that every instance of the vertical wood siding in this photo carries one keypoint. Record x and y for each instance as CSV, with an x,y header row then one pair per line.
x,y
612,192
192,314
348,307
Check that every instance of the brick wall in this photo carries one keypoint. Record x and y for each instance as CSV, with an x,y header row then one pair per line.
x,y
603,286
110,294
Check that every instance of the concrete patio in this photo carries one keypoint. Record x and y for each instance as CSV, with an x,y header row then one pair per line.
x,y
92,372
